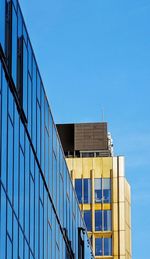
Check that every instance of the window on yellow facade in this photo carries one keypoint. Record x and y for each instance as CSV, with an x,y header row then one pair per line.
x,y
103,246
88,219
103,220
102,190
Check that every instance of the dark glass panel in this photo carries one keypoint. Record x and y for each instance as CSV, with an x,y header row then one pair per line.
x,y
25,77
87,190
98,247
88,219
30,57
98,220
2,23
14,46
78,188
29,103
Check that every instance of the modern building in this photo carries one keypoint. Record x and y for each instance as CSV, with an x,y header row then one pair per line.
x,y
39,212
101,187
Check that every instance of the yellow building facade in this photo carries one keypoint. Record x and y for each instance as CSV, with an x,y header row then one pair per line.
x,y
104,197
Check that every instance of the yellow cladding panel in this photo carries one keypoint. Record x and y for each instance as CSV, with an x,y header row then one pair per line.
x,y
69,164
114,166
115,242
87,166
77,166
127,191
122,216
121,189
121,166
115,190
98,167
115,217
122,243
107,167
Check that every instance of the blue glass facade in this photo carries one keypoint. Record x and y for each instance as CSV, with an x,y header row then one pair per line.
x,y
39,212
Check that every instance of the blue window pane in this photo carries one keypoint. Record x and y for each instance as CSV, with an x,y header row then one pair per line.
x,y
31,213
38,88
15,238
39,132
98,220
10,160
2,223
46,155
36,211
78,188
107,246
4,131
20,244
87,190
34,104
41,232
27,188
26,251
9,219
9,248
98,247
30,56
10,105
88,219
21,193
106,190
16,164
19,23
107,220
98,190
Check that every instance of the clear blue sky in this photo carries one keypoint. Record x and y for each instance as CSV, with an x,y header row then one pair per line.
x,y
94,55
